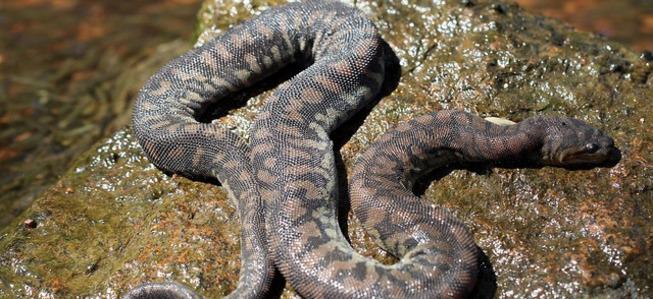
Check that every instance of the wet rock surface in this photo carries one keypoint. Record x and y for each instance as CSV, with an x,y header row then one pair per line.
x,y
114,221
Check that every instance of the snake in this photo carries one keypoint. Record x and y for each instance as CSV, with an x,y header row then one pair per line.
x,y
284,179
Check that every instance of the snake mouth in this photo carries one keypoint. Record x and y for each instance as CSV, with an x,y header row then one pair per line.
x,y
591,154
579,157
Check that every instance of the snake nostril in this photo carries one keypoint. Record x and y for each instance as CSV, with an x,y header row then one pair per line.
x,y
606,142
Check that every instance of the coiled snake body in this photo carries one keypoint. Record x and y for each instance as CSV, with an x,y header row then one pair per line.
x,y
290,162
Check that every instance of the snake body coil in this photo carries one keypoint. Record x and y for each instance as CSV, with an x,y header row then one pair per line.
x,y
290,161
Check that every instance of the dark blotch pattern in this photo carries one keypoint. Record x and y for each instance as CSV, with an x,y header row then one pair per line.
x,y
284,181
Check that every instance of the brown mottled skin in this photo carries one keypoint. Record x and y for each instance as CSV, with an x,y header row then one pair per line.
x,y
285,182
383,176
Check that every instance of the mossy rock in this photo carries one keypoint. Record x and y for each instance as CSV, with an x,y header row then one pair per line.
x,y
114,221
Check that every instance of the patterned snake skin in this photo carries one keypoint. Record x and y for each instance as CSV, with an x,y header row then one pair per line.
x,y
285,180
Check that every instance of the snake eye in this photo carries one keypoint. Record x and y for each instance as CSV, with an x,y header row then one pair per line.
x,y
591,147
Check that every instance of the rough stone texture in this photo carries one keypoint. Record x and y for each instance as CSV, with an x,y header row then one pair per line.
x,y
114,220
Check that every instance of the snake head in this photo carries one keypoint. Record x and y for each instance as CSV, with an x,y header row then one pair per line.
x,y
571,143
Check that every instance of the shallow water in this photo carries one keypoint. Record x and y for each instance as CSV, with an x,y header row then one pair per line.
x,y
65,80
626,21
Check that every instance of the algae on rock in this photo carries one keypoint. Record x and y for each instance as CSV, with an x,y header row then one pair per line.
x,y
115,221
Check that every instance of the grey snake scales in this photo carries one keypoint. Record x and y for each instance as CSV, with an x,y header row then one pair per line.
x,y
284,181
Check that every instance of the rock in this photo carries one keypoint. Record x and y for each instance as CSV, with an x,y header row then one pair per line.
x,y
30,223
114,220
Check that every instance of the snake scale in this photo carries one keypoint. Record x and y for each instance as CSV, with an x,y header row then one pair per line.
x,y
285,181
